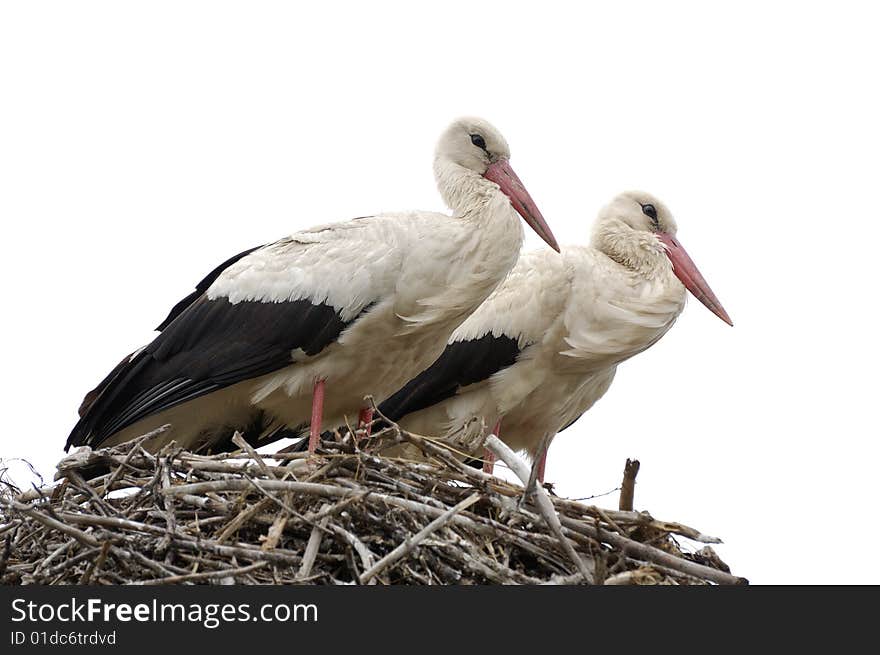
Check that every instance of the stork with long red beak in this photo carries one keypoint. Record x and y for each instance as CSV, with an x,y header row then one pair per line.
x,y
546,345
357,308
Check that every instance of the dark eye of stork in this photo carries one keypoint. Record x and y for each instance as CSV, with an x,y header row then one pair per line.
x,y
651,212
478,141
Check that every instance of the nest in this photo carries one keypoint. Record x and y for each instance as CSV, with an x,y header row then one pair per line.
x,y
345,515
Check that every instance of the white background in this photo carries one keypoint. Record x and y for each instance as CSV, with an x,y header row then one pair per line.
x,y
143,143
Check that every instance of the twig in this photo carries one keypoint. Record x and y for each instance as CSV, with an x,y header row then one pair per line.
x,y
628,486
53,524
206,575
239,441
96,564
312,548
652,554
504,453
135,447
409,544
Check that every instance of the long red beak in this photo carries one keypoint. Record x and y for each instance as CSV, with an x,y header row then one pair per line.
x,y
686,271
502,174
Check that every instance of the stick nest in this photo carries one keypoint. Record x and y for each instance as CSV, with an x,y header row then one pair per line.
x,y
346,515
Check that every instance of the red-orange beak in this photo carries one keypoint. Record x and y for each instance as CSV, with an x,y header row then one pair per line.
x,y
503,175
686,271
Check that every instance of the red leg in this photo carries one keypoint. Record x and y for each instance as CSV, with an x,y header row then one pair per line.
x,y
317,415
542,464
488,455
488,461
365,419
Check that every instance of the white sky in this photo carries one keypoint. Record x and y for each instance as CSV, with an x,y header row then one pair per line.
x,y
142,144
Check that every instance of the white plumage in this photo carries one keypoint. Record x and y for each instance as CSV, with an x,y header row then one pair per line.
x,y
406,328
550,338
361,306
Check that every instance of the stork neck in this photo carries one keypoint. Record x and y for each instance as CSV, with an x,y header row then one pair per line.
x,y
468,194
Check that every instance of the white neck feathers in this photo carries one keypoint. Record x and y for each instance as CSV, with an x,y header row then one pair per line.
x,y
640,252
468,194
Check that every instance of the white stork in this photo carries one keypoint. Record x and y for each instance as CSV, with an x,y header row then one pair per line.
x,y
546,344
361,306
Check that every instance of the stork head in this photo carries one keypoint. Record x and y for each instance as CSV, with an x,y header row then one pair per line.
x,y
639,232
472,149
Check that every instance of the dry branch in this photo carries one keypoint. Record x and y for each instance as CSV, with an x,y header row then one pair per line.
x,y
628,486
503,452
409,544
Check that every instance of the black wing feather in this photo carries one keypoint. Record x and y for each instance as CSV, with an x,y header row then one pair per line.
x,y
210,345
462,363
201,287
176,311
90,398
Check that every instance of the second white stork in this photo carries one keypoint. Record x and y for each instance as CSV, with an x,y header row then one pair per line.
x,y
546,345
359,306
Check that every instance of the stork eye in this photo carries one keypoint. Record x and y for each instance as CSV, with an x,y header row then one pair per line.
x,y
478,141
650,211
